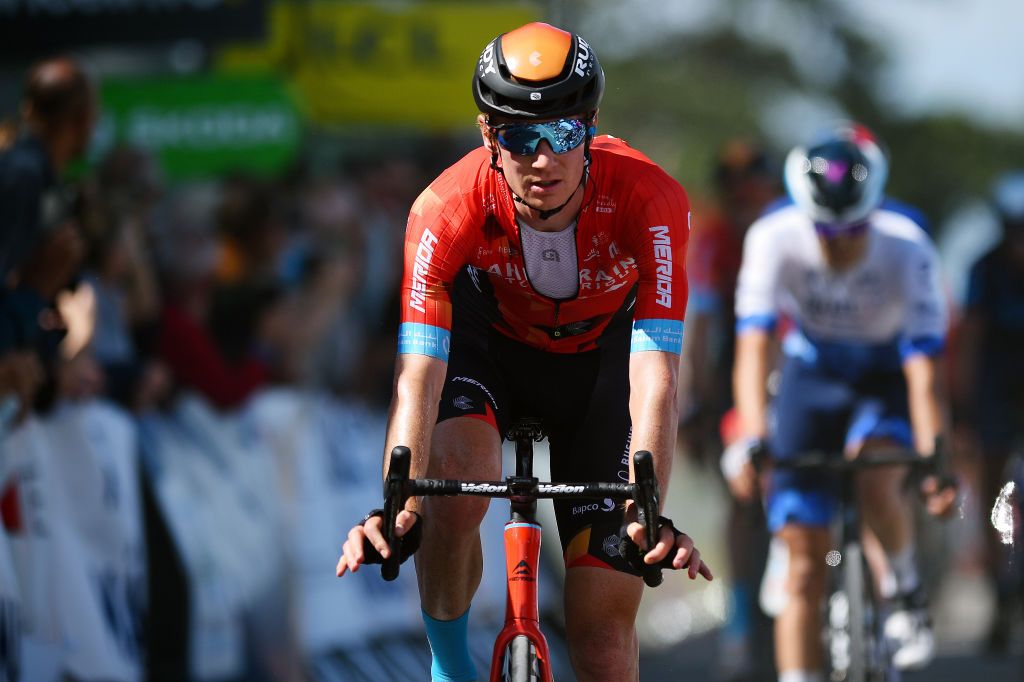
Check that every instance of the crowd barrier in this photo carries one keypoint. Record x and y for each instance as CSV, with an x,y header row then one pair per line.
x,y
256,504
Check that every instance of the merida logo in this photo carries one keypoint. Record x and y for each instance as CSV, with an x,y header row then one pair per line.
x,y
424,252
522,573
663,257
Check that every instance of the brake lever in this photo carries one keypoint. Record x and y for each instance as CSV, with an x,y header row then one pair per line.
x,y
395,496
648,499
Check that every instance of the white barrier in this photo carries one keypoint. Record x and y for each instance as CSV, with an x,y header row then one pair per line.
x,y
257,503
78,552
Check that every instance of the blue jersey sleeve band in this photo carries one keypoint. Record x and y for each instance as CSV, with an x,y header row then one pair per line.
x,y
424,339
921,345
756,322
653,334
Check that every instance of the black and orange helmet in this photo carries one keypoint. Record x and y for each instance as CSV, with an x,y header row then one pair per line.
x,y
538,72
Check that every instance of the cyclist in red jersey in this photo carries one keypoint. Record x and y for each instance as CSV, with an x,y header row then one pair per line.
x,y
544,277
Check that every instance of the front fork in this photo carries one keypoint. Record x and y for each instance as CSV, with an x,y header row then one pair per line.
x,y
522,615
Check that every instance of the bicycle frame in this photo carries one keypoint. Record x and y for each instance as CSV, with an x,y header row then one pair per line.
x,y
522,531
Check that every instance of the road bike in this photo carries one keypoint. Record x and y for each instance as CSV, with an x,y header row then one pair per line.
x,y
856,648
520,650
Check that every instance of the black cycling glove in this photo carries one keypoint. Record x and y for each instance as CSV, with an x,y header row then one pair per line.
x,y
634,556
410,541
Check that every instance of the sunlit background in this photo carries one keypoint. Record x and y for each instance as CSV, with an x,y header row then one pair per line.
x,y
262,156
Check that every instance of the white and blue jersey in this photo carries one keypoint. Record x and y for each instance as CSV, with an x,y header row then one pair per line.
x,y
866,319
848,334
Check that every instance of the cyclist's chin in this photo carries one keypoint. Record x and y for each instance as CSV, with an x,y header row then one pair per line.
x,y
542,199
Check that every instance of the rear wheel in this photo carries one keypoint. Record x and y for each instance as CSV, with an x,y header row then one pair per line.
x,y
521,663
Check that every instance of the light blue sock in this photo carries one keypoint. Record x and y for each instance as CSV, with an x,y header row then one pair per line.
x,y
449,646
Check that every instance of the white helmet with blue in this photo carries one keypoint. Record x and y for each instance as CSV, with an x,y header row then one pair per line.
x,y
839,178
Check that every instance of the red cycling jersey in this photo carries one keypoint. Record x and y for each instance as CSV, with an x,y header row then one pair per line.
x,y
631,234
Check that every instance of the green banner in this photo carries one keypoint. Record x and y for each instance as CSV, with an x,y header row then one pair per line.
x,y
204,126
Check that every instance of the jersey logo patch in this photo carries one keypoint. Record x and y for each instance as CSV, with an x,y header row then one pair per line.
x,y
663,257
424,252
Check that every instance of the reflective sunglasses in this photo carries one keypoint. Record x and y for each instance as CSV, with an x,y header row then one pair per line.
x,y
563,135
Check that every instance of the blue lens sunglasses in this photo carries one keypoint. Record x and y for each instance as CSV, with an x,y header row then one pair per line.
x,y
563,135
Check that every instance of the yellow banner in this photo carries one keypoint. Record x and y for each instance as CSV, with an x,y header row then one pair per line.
x,y
380,63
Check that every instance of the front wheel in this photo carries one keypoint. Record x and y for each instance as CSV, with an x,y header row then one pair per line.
x,y
521,664
855,646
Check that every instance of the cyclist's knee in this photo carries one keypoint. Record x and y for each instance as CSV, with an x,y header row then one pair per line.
x,y
600,612
456,516
806,576
807,549
597,648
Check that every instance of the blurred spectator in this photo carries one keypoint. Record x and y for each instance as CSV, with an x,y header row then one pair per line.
x,y
744,182
989,385
186,342
119,270
40,246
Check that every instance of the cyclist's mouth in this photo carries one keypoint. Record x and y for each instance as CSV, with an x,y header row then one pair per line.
x,y
544,186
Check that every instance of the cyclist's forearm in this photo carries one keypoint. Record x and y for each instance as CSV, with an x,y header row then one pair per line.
x,y
925,401
750,376
418,383
653,410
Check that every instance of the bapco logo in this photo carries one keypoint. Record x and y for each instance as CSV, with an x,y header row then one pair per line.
x,y
463,402
607,506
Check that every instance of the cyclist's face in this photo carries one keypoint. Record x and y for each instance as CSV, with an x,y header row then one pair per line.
x,y
543,179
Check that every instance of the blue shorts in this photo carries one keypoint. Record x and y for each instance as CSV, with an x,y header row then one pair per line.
x,y
817,411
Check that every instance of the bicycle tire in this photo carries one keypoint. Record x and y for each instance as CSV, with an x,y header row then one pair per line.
x,y
521,658
853,587
866,648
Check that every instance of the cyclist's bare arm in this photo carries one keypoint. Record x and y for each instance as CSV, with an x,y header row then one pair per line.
x,y
653,408
927,412
417,391
750,376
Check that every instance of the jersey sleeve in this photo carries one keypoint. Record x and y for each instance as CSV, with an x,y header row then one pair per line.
x,y
660,236
756,288
927,313
434,253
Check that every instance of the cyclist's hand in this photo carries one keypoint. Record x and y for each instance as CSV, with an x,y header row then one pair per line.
x,y
738,468
939,494
674,549
366,543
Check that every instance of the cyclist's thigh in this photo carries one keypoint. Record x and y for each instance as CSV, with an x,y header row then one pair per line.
x,y
591,443
881,415
880,420
472,413
810,413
